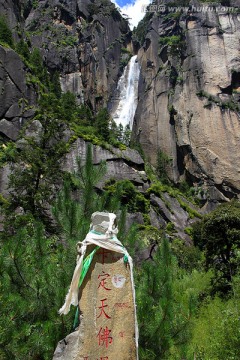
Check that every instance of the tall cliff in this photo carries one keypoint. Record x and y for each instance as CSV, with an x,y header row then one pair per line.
x,y
189,95
81,40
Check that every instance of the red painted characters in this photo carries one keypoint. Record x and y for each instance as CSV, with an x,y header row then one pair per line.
x,y
104,338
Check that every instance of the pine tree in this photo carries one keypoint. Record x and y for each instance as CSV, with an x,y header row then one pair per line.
x,y
36,168
36,269
102,123
167,299
5,32
120,132
127,135
155,299
55,85
85,179
69,105
22,49
34,273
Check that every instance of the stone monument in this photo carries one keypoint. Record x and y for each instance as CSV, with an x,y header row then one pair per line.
x,y
102,287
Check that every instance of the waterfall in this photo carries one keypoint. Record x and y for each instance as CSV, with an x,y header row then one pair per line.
x,y
128,94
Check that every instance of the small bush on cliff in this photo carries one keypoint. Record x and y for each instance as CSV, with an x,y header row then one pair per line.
x,y
128,196
174,42
5,32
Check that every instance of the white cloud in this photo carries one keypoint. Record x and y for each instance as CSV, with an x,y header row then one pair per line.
x,y
134,11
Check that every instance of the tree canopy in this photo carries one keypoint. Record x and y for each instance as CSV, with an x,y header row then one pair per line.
x,y
218,234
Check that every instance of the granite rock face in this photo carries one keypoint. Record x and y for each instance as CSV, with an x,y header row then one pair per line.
x,y
189,97
14,94
120,165
13,11
82,40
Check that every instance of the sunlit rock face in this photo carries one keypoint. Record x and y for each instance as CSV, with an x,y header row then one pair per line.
x,y
189,98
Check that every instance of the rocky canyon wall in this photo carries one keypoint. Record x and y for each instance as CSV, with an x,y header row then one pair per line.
x,y
188,93
189,96
81,40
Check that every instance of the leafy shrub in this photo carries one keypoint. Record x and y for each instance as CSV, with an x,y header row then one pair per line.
x,y
191,212
170,228
129,196
218,320
8,153
173,40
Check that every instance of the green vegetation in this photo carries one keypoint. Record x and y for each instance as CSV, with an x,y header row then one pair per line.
x,y
34,277
187,296
172,16
22,49
140,32
7,153
192,213
163,162
180,289
106,8
36,268
217,320
168,300
175,43
218,234
170,229
158,188
99,129
230,104
102,123
68,40
172,40
128,196
6,37
125,51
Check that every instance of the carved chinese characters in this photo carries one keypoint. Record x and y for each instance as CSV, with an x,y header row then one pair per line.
x,y
107,310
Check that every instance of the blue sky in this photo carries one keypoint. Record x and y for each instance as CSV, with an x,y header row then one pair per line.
x,y
133,9
123,2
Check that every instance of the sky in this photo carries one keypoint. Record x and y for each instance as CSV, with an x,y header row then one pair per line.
x,y
133,9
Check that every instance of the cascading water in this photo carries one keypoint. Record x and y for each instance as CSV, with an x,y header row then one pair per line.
x,y
128,94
